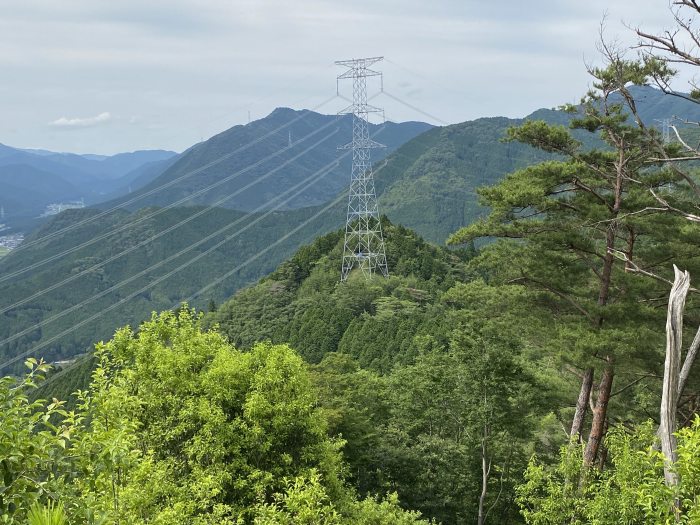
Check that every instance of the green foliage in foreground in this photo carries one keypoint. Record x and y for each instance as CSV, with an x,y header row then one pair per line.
x,y
423,374
179,427
631,491
420,375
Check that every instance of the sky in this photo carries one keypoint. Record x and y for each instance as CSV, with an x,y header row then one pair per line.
x,y
107,76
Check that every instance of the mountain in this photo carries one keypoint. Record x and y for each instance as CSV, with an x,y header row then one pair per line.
x,y
428,184
301,302
285,147
653,106
138,177
111,167
421,185
32,179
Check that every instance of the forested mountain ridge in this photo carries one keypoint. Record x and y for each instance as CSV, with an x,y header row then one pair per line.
x,y
248,153
145,237
303,303
430,183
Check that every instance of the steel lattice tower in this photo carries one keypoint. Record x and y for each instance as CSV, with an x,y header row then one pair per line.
x,y
364,243
665,130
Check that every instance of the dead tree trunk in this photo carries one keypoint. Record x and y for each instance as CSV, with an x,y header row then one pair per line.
x,y
600,413
672,372
582,405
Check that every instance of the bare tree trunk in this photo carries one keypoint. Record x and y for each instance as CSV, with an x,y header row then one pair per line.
x,y
672,364
582,405
485,471
600,413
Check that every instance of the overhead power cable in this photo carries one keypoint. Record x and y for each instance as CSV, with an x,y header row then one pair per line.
x,y
159,211
265,250
160,279
415,108
161,233
317,174
140,196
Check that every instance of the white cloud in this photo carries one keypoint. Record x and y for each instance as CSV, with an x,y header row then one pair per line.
x,y
64,122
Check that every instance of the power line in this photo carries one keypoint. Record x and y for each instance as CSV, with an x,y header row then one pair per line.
x,y
163,232
209,286
228,274
317,175
170,183
186,264
159,210
264,251
143,243
415,108
335,202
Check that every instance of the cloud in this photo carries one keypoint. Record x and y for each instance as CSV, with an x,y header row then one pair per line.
x,y
64,122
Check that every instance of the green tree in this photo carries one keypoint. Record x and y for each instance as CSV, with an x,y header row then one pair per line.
x,y
458,427
33,461
631,490
179,427
586,227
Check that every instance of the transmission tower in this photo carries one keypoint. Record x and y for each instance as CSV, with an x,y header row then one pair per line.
x,y
665,130
364,243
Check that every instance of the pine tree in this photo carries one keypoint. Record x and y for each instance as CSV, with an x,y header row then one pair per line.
x,y
588,230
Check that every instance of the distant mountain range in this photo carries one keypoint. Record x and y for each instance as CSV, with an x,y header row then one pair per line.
x,y
427,184
32,179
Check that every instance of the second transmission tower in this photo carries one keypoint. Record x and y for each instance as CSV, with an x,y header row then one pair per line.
x,y
364,243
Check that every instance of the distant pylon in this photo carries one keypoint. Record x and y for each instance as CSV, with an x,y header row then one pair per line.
x,y
665,130
364,243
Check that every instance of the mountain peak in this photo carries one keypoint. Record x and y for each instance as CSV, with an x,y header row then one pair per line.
x,y
285,112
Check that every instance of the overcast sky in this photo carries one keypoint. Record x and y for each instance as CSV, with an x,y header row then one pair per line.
x,y
105,76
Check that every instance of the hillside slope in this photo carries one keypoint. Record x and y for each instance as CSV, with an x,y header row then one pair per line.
x,y
248,236
303,303
245,154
